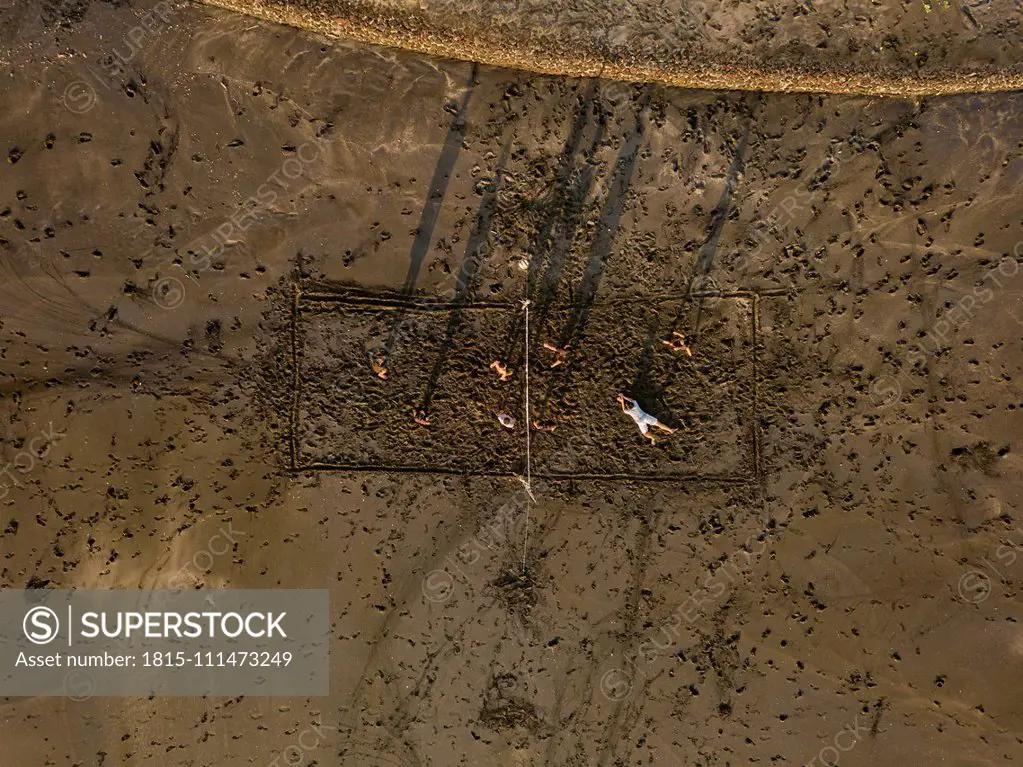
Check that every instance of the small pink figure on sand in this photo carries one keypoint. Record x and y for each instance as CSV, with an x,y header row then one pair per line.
x,y
678,345
502,370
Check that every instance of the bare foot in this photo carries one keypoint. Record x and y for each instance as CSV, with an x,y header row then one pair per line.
x,y
379,366
419,416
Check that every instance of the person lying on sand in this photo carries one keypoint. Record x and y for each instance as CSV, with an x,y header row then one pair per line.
x,y
559,354
679,345
643,419
502,370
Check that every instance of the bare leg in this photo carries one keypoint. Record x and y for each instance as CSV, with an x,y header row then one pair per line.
x,y
559,354
678,345
662,427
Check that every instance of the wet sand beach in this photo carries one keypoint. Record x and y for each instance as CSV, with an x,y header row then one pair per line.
x,y
212,231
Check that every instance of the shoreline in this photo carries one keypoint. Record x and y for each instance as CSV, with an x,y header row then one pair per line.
x,y
492,46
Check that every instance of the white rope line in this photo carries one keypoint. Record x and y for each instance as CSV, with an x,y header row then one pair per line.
x,y
529,475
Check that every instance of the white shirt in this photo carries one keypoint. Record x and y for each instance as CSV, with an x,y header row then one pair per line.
x,y
643,419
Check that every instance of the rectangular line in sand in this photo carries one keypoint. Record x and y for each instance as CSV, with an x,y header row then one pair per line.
x,y
349,419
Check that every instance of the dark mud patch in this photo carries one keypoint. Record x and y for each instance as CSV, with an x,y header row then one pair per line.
x,y
981,456
503,709
516,589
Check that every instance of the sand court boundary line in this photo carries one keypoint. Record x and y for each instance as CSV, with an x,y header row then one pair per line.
x,y
412,30
357,468
309,300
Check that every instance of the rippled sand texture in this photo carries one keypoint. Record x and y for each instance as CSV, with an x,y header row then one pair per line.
x,y
912,48
838,518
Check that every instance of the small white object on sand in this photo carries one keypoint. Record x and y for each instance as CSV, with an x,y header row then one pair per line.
x,y
506,421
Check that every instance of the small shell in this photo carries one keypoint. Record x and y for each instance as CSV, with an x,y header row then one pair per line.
x,y
506,421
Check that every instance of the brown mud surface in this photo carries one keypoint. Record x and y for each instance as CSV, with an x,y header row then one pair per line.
x,y
827,549
348,416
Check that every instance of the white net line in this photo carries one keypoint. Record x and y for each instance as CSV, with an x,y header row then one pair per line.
x,y
529,469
